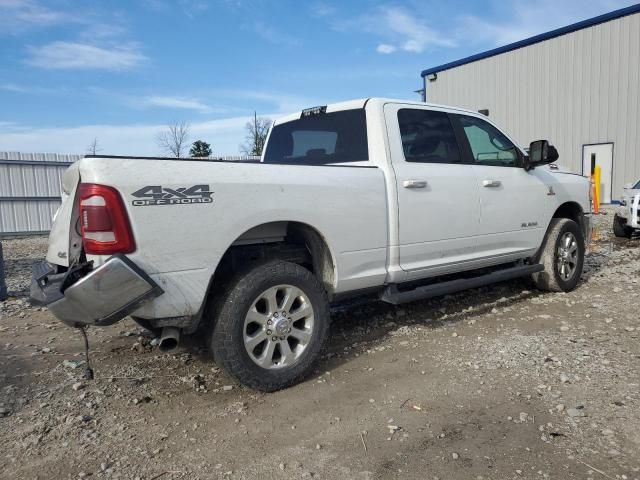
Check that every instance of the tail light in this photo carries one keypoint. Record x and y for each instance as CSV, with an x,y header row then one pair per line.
x,y
104,221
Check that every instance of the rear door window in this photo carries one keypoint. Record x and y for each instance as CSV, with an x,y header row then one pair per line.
x,y
428,137
320,139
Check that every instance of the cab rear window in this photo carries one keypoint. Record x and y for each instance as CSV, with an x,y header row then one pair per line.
x,y
320,139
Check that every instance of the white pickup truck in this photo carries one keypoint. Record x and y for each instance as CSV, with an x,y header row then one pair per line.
x,y
372,196
627,216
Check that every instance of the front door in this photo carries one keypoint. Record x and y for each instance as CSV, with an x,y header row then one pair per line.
x,y
600,155
513,201
437,192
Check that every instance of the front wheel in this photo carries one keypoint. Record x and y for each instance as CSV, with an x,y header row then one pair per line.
x,y
562,255
271,326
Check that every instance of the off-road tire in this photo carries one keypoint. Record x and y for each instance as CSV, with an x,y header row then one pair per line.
x,y
226,337
620,228
550,279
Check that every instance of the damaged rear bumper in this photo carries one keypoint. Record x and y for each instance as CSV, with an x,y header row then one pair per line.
x,y
86,296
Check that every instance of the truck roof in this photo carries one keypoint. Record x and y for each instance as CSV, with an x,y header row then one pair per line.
x,y
362,102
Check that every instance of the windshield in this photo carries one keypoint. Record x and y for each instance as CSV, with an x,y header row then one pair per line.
x,y
636,186
320,139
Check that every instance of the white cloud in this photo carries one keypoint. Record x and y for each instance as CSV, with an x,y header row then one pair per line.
x,y
322,9
182,103
31,89
414,32
274,36
218,101
155,5
193,8
521,19
82,56
402,30
225,135
385,48
8,125
12,87
18,15
399,29
278,102
102,31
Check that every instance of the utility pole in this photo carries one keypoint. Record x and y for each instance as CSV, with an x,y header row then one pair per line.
x,y
3,284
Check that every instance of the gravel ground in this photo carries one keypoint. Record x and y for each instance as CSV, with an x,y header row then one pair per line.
x,y
502,382
19,254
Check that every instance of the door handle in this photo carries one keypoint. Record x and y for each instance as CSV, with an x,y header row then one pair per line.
x,y
414,184
491,183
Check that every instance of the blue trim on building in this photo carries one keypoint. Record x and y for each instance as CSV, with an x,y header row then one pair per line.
x,y
623,12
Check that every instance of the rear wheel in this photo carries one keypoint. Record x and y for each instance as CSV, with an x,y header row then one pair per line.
x,y
271,326
620,228
562,255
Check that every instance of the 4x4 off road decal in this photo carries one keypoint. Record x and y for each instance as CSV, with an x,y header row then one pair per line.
x,y
158,195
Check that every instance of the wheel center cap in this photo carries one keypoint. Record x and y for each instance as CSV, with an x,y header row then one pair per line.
x,y
281,326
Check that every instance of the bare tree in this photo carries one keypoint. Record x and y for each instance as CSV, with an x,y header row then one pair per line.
x,y
257,132
174,140
94,147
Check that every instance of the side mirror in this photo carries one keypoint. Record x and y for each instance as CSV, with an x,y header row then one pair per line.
x,y
541,153
628,186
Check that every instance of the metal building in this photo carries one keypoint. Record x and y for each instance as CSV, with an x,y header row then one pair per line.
x,y
577,86
30,186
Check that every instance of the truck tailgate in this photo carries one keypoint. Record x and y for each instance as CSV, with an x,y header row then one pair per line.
x,y
64,241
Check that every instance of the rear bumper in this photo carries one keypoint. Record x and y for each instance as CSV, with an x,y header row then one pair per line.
x,y
85,296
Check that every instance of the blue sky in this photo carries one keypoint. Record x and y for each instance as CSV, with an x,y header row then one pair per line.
x,y
72,70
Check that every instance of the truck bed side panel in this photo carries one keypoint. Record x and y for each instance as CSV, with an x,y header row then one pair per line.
x,y
180,241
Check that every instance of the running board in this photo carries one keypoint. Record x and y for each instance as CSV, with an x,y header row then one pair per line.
x,y
392,295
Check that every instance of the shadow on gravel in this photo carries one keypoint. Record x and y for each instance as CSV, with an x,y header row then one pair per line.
x,y
370,320
18,274
373,320
15,379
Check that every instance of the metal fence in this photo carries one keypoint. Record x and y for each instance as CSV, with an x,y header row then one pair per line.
x,y
30,187
3,283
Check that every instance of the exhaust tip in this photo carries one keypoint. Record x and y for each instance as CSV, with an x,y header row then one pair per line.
x,y
169,339
168,344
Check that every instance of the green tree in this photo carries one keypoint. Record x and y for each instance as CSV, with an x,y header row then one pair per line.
x,y
200,148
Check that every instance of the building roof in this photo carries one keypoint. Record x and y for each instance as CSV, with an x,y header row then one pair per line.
x,y
623,12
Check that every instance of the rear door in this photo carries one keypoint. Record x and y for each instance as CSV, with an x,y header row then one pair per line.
x,y
513,201
437,192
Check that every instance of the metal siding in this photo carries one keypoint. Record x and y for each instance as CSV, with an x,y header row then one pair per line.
x,y
18,180
576,89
